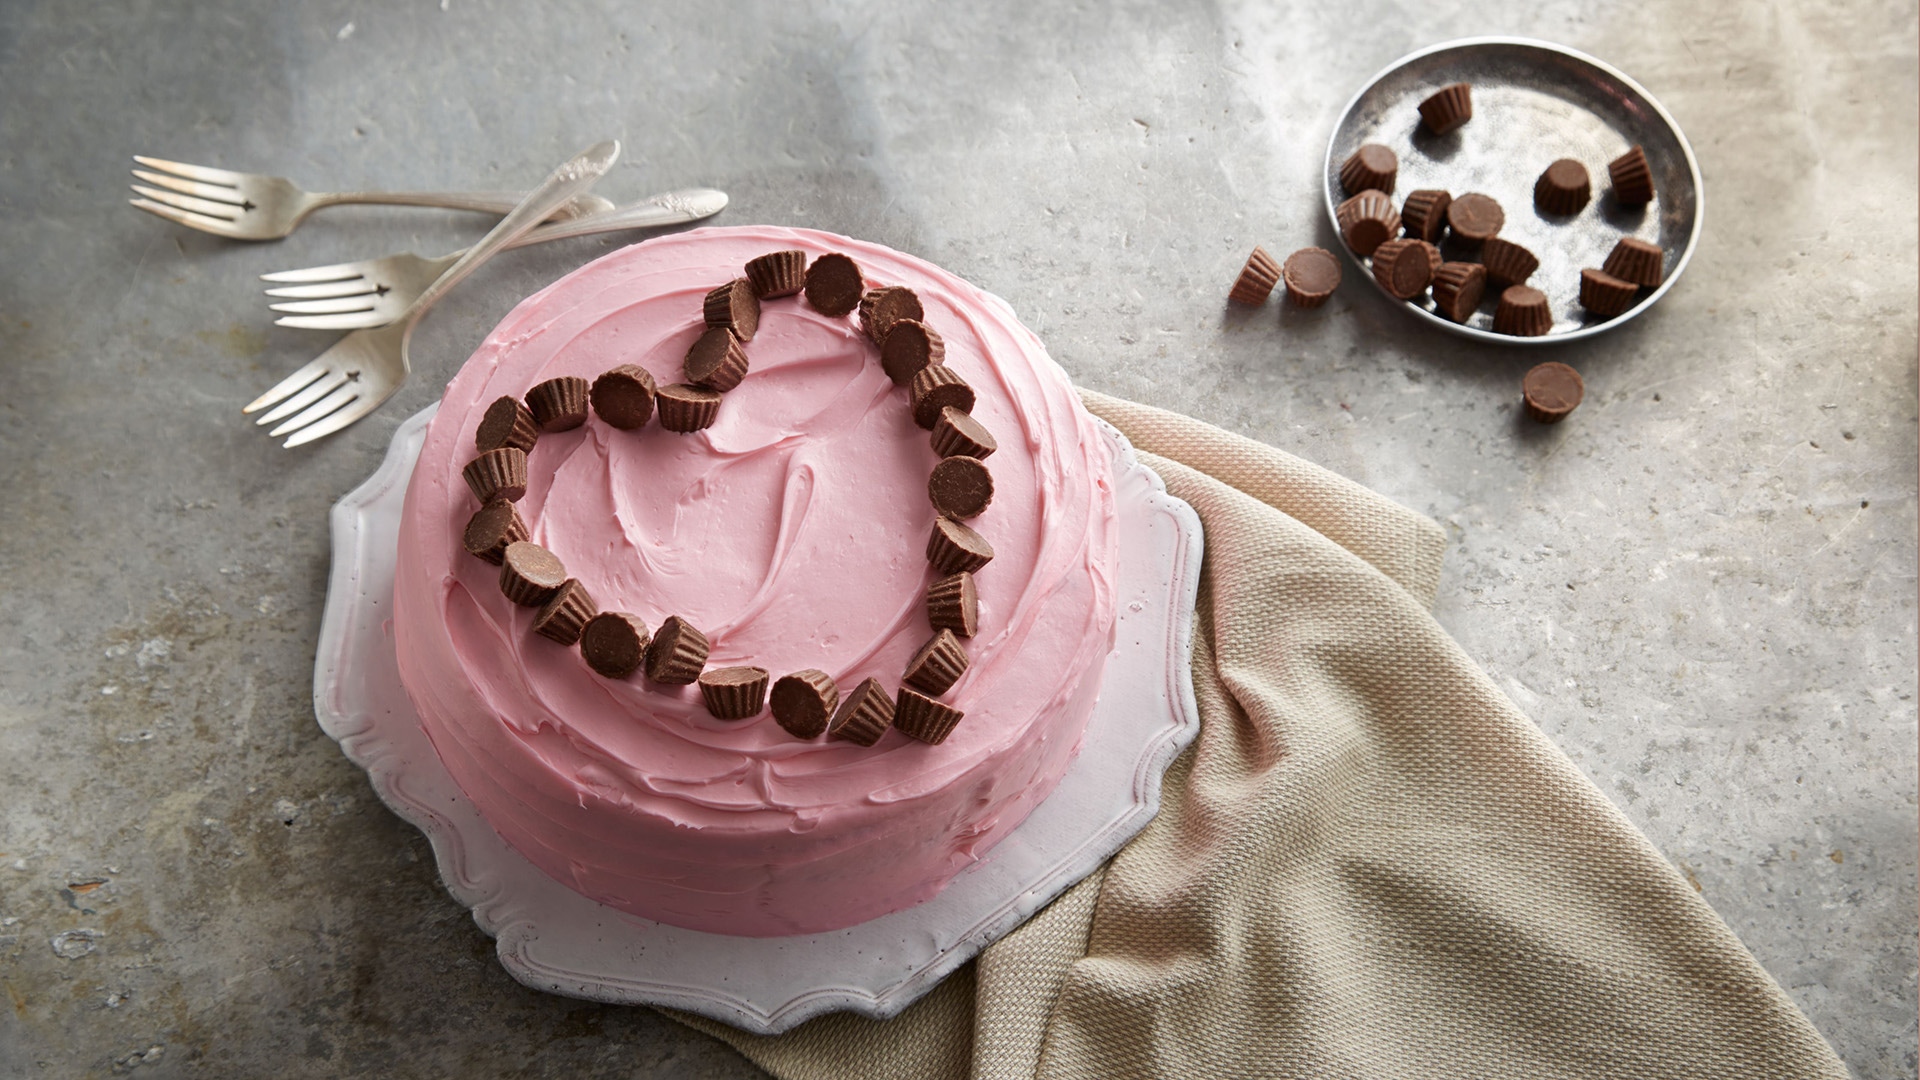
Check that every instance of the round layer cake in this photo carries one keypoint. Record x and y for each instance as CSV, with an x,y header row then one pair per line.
x,y
792,532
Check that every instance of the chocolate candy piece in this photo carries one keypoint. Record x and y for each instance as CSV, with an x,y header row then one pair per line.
x,y
953,604
530,574
565,614
491,529
881,308
1604,294
1523,312
498,474
960,487
1401,268
952,547
1366,221
1447,109
614,643
623,397
956,432
1457,289
559,404
1475,217
716,361
863,716
777,273
833,284
910,346
938,387
1507,263
677,653
1311,275
920,717
938,665
1632,179
1256,280
734,693
1563,189
1551,391
506,423
1425,214
804,701
1370,168
686,409
1633,259
735,306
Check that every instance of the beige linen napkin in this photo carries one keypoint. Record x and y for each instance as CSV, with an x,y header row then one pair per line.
x,y
1369,864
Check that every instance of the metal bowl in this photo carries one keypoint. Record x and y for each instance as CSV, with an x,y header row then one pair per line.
x,y
1533,103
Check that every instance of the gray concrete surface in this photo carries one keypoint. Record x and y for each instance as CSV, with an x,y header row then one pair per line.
x,y
1702,586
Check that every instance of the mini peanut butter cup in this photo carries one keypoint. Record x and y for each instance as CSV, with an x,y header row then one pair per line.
x,y
734,306
677,653
1366,221
1257,279
1311,275
938,387
957,432
910,346
716,361
777,273
559,404
1550,391
1564,188
623,397
953,603
1425,214
614,643
530,574
565,613
1401,268
1604,294
1631,177
834,285
1370,168
952,547
1636,260
1522,312
863,716
919,716
804,701
506,423
1507,263
686,409
881,308
1474,217
960,487
734,693
491,529
1458,288
1447,109
497,474
938,665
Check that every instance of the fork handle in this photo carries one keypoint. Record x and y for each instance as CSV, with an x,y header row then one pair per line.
x,y
670,208
566,182
485,202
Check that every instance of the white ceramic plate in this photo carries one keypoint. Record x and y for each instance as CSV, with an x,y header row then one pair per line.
x,y
552,938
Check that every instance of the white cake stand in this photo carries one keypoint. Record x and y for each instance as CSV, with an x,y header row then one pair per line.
x,y
554,939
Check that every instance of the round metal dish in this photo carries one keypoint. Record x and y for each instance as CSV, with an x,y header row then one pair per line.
x,y
1533,103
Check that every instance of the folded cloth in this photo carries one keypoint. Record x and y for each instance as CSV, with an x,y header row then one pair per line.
x,y
1369,864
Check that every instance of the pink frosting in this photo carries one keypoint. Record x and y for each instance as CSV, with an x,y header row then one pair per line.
x,y
793,532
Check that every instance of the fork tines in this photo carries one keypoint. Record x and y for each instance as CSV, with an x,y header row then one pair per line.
x,y
194,195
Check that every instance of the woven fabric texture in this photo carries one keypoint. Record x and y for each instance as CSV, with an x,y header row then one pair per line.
x,y
1369,864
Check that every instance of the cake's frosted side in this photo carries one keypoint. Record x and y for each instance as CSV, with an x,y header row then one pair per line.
x,y
793,533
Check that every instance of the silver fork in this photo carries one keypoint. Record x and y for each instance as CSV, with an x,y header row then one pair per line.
x,y
251,206
372,292
364,368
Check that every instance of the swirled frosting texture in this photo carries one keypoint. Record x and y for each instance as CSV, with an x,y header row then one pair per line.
x,y
793,533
